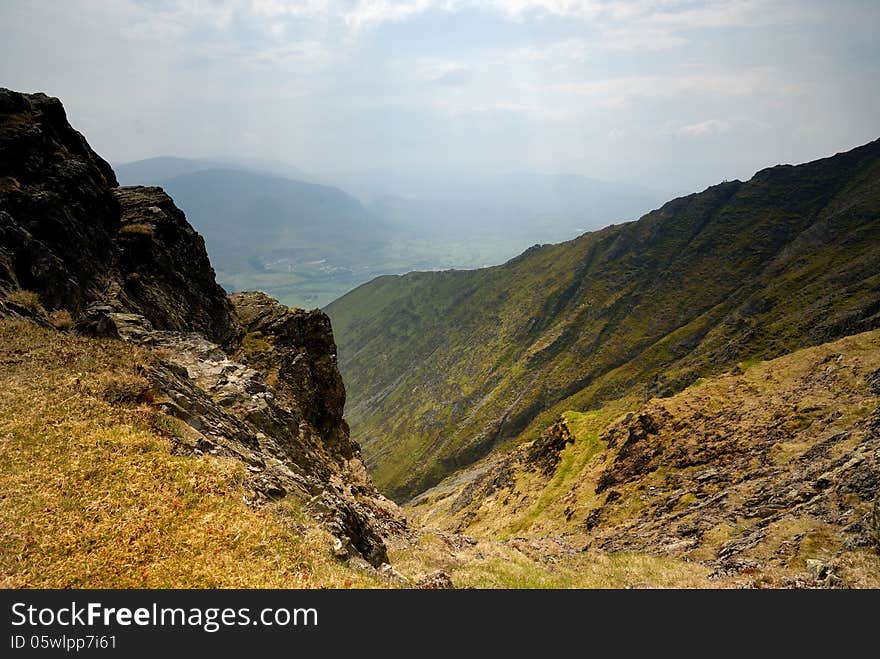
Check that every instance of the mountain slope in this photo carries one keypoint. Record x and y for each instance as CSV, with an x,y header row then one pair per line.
x,y
441,367
155,171
770,474
105,499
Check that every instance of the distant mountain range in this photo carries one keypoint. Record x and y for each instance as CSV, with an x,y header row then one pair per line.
x,y
307,243
302,242
154,171
443,366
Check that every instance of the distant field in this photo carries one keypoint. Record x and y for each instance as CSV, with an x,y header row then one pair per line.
x,y
311,282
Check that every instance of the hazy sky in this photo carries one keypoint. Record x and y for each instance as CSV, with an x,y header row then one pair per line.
x,y
676,94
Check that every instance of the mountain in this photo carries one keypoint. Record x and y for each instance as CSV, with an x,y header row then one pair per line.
x,y
302,242
172,362
251,215
441,367
155,171
308,244
72,237
156,432
767,476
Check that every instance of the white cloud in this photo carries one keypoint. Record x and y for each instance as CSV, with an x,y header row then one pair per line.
x,y
436,71
617,92
617,134
707,128
565,50
372,13
710,127
641,38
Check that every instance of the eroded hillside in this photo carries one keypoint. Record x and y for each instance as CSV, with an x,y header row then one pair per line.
x,y
442,367
769,476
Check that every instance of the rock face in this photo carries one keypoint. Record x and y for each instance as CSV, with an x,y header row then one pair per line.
x,y
241,377
544,452
295,349
70,235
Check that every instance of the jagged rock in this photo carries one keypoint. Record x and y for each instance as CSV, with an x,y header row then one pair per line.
x,y
360,564
69,234
339,549
543,454
818,569
874,382
390,574
438,580
257,383
295,348
636,454
229,410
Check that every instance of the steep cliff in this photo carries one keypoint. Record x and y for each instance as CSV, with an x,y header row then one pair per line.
x,y
243,378
69,235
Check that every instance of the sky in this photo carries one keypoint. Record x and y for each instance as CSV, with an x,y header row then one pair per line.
x,y
672,94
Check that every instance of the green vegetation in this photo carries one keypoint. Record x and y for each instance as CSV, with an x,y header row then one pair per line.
x,y
687,488
443,366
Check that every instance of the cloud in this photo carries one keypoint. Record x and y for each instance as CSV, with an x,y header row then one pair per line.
x,y
710,127
618,92
707,128
444,73
373,13
641,38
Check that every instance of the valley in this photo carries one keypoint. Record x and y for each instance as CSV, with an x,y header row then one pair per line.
x,y
272,228
444,367
689,400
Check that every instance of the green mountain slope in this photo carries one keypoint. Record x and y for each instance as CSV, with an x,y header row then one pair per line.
x,y
442,367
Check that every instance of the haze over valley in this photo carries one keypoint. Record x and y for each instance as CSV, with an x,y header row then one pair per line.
x,y
440,294
274,228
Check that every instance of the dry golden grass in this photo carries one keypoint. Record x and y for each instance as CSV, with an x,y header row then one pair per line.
x,y
61,319
135,230
91,496
490,564
26,299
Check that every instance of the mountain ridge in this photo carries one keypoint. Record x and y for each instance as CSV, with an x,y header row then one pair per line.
x,y
710,278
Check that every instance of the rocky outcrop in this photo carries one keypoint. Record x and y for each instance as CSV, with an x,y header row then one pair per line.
x,y
73,238
244,378
294,348
544,453
771,473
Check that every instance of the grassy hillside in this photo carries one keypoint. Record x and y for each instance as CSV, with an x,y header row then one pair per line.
x,y
769,474
93,497
441,367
